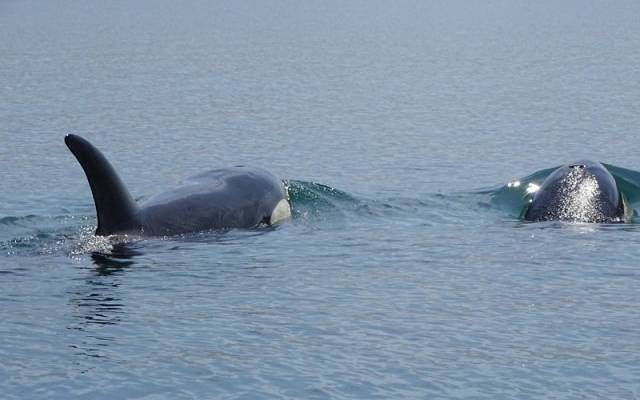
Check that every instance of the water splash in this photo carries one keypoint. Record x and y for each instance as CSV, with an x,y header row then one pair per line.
x,y
313,201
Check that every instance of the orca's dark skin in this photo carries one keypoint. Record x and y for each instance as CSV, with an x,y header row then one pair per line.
x,y
236,197
582,192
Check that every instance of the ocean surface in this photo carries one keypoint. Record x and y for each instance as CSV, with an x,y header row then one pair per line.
x,y
395,124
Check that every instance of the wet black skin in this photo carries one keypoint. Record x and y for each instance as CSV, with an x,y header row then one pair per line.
x,y
573,184
236,197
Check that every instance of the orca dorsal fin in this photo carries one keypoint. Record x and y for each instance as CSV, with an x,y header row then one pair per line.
x,y
115,208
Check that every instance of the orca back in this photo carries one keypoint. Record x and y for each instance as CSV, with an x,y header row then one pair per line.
x,y
236,197
581,192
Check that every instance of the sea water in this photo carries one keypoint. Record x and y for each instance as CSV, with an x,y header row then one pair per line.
x,y
392,123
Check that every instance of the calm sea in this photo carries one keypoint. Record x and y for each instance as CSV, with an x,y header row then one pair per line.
x,y
397,278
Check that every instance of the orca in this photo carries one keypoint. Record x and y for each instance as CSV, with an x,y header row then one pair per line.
x,y
219,199
580,192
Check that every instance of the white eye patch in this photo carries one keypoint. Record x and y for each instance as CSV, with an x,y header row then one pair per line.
x,y
281,211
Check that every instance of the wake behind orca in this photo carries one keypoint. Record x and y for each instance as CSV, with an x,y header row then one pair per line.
x,y
585,191
236,197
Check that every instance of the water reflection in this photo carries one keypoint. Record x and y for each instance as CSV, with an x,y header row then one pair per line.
x,y
577,227
97,302
119,258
